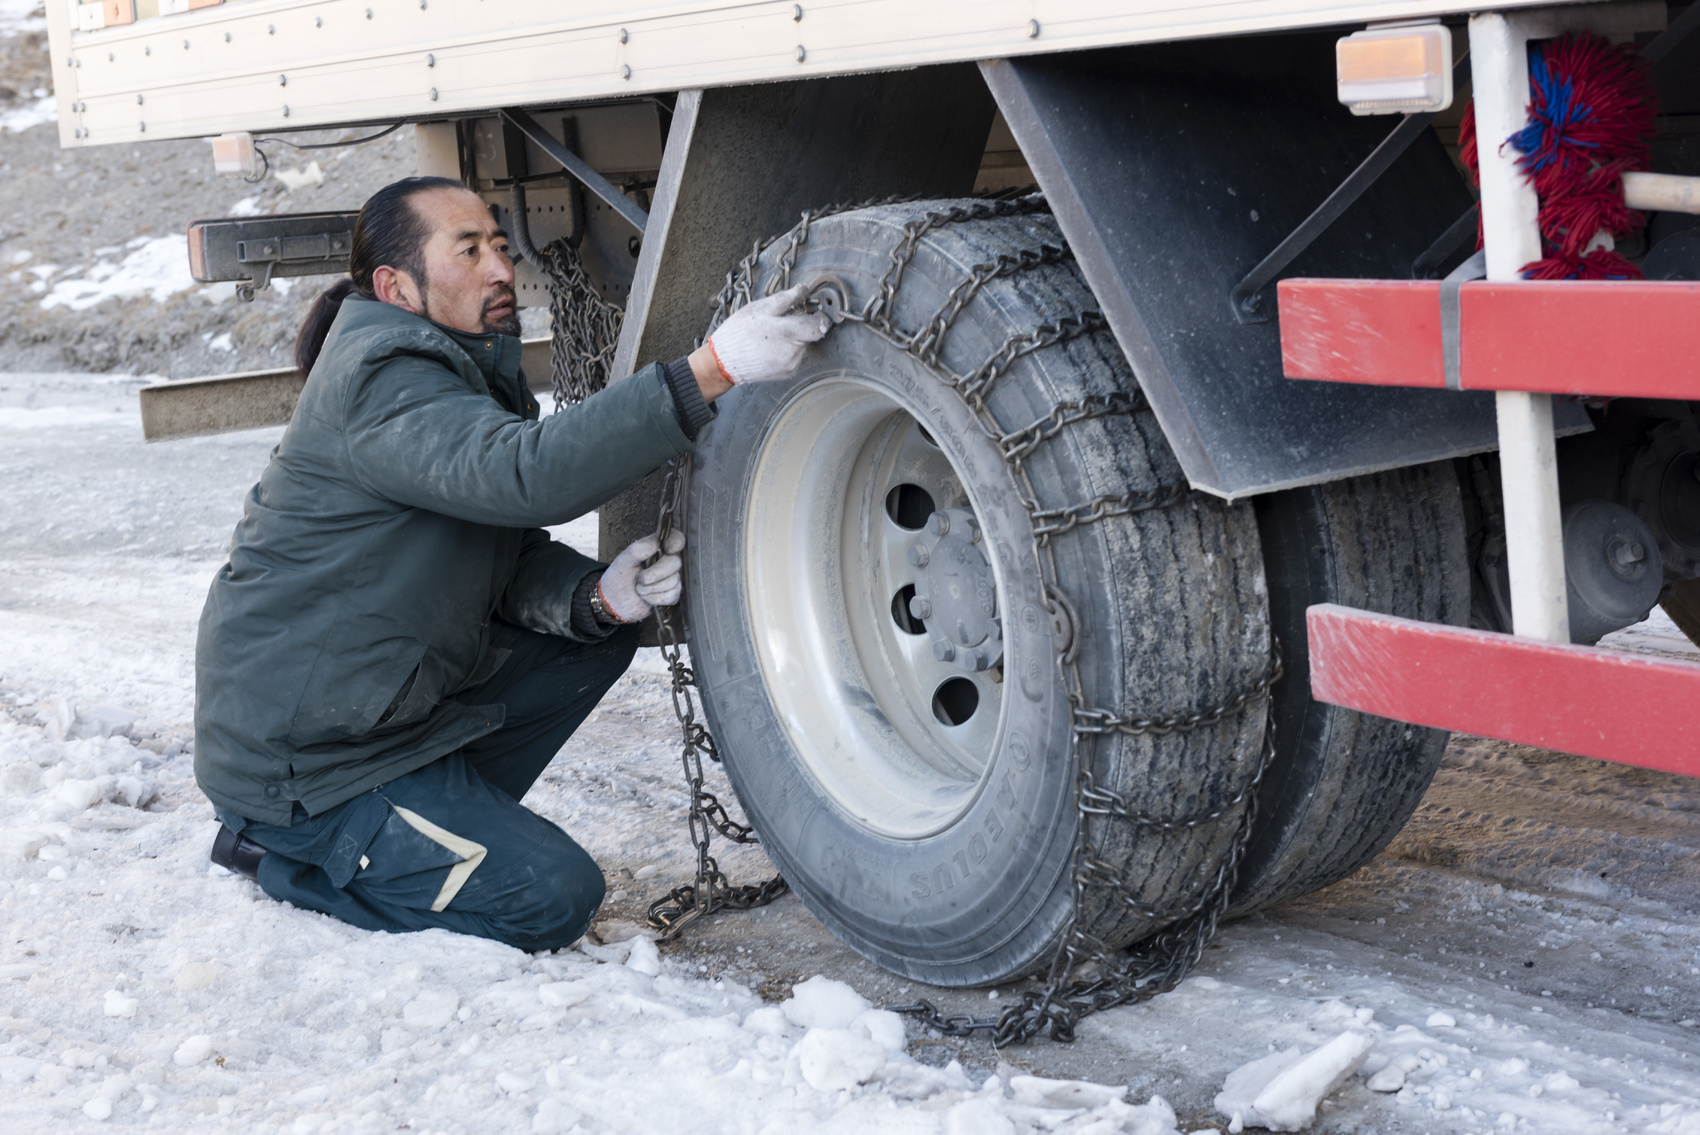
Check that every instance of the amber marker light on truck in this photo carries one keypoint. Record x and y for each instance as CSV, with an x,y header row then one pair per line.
x,y
233,155
1395,70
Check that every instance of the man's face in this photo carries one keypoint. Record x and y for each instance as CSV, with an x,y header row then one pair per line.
x,y
469,278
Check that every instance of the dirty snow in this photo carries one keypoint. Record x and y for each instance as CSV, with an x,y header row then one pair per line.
x,y
43,109
156,267
1525,958
21,16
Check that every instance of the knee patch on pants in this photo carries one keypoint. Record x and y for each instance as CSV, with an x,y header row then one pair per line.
x,y
471,854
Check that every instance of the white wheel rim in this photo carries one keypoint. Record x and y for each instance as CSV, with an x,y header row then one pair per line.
x,y
895,738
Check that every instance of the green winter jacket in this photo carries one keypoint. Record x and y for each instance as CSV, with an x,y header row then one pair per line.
x,y
399,516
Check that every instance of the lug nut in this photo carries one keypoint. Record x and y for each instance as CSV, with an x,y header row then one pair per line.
x,y
921,607
973,660
917,556
943,651
973,531
938,524
1628,553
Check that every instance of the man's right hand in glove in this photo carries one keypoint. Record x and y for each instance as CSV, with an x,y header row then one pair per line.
x,y
762,341
628,591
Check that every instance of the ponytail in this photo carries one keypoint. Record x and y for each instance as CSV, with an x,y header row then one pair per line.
x,y
388,231
317,325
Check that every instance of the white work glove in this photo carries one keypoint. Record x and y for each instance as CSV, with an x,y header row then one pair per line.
x,y
761,343
630,591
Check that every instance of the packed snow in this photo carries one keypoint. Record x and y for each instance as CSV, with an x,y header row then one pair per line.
x,y
1525,958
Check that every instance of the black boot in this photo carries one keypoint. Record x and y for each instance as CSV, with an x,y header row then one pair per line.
x,y
237,853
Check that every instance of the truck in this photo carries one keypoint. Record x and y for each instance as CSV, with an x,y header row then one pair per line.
x,y
1177,474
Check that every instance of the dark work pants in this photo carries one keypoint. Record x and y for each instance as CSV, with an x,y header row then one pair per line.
x,y
449,844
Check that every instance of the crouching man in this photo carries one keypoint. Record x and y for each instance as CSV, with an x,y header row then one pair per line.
x,y
396,650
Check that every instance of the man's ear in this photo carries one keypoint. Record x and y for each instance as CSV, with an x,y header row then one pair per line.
x,y
395,286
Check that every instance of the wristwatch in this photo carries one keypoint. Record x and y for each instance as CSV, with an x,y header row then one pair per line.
x,y
600,609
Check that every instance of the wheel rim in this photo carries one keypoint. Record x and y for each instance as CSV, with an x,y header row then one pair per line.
x,y
894,728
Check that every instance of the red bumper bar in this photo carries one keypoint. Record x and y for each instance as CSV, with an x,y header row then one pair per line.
x,y
1620,707
1614,338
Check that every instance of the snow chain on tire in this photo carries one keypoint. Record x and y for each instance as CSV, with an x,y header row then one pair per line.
x,y
1086,974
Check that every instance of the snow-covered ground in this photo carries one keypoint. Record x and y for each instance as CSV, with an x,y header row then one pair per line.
x,y
1525,957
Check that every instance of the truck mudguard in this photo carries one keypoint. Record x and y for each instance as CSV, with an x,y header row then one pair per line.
x,y
1173,169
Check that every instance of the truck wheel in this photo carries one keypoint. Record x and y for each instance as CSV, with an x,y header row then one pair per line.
x,y
1343,783
866,621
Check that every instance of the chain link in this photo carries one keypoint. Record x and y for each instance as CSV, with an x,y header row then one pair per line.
x,y
1017,445
712,891
1086,974
927,342
584,326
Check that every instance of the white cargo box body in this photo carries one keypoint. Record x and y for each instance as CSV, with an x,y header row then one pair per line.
x,y
292,64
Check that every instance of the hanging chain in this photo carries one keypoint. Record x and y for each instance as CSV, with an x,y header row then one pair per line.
x,y
712,891
584,326
1086,974
586,330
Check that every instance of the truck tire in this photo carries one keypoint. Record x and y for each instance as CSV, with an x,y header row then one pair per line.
x,y
1343,783
924,808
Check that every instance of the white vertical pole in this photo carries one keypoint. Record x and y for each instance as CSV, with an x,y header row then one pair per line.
x,y
1534,534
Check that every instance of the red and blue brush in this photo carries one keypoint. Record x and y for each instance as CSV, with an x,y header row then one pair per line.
x,y
1591,112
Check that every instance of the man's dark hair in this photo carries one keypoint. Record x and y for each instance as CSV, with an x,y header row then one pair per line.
x,y
388,231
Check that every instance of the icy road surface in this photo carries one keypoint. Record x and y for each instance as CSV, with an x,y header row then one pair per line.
x,y
1525,957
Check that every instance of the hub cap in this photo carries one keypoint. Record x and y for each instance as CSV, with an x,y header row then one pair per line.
x,y
955,593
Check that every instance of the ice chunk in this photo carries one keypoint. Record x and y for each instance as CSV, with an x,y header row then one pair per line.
x,y
432,1009
137,791
119,1005
22,843
978,1117
192,1051
17,1069
562,994
101,721
644,958
555,1114
516,1083
1439,1019
19,779
883,1026
76,795
294,179
1036,1091
1280,1091
615,931
98,1109
821,1003
835,1059
195,975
